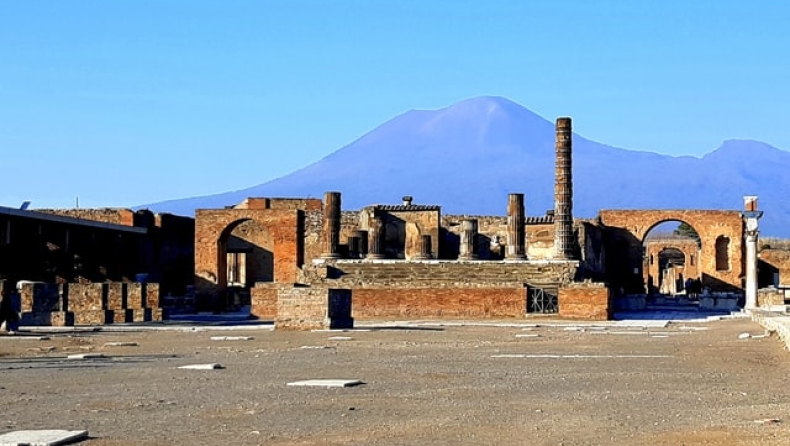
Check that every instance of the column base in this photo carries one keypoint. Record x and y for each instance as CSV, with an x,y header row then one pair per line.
x,y
330,256
375,257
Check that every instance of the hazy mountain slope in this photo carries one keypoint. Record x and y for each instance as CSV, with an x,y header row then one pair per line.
x,y
468,156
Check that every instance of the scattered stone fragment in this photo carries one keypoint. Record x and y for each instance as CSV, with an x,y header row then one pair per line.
x,y
744,336
340,338
659,336
314,347
47,437
86,356
527,335
768,421
326,383
212,366
232,338
121,344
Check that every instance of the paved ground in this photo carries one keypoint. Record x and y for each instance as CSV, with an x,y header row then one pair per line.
x,y
623,384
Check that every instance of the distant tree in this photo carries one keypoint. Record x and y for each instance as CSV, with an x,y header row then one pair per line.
x,y
685,230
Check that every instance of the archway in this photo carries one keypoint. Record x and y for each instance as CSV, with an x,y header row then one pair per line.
x,y
244,256
630,271
671,257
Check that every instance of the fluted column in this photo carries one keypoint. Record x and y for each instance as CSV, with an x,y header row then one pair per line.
x,y
563,191
375,237
516,235
468,239
331,225
424,246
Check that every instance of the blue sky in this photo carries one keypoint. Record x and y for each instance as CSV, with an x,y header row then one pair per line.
x,y
120,103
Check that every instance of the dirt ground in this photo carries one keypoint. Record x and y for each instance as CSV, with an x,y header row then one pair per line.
x,y
686,384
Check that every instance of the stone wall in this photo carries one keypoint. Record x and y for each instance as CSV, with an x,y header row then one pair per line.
x,y
263,298
313,308
774,261
118,216
89,303
401,289
768,297
585,300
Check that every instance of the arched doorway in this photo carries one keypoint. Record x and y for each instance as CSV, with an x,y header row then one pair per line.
x,y
671,258
244,256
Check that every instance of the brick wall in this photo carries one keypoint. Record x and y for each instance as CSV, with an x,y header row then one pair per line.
x,y
123,217
439,302
586,300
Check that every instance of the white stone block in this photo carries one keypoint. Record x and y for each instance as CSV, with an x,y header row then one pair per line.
x,y
46,437
326,383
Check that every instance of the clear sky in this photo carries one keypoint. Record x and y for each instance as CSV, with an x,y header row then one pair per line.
x,y
126,102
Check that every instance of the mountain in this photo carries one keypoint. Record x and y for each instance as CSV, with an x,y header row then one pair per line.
x,y
467,157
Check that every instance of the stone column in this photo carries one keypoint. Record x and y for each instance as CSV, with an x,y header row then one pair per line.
x,y
516,234
331,225
362,236
751,216
468,239
376,237
563,191
424,248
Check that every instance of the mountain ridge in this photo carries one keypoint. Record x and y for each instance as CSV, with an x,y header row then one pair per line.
x,y
466,157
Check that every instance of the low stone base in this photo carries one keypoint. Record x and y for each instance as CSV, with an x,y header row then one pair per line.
x,y
313,308
49,318
588,300
93,317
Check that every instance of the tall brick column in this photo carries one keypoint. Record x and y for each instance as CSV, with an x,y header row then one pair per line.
x,y
563,191
468,237
375,237
516,233
331,225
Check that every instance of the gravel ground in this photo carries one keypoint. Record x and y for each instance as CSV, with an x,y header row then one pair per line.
x,y
684,384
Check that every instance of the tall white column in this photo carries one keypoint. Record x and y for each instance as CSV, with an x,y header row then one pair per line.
x,y
751,231
751,270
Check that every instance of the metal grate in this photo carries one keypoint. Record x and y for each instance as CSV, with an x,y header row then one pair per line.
x,y
541,301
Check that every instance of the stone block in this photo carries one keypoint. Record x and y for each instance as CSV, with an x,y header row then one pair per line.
x,y
116,296
93,317
139,315
152,298
313,308
135,296
86,296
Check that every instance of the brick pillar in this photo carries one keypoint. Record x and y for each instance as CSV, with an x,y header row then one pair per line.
x,y
563,191
424,248
516,234
362,236
376,237
331,225
468,239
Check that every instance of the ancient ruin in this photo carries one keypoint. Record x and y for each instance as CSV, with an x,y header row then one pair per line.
x,y
308,263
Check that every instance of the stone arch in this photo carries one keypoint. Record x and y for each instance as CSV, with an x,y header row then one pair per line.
x,y
633,226
214,227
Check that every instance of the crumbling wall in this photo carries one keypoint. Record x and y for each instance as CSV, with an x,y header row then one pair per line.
x,y
89,303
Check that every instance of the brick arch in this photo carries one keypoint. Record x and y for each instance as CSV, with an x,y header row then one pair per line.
x,y
214,226
632,226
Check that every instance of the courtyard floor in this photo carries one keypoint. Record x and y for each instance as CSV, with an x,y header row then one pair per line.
x,y
536,382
